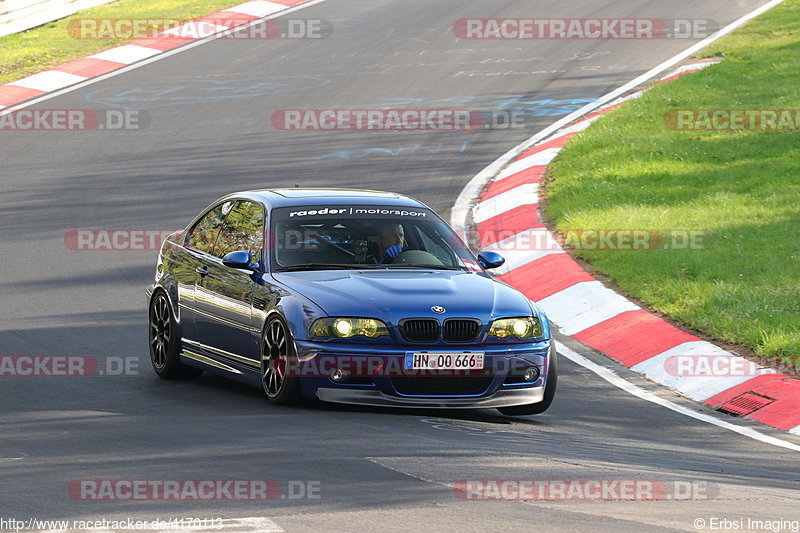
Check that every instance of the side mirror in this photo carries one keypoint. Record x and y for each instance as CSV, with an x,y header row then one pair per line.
x,y
239,259
490,260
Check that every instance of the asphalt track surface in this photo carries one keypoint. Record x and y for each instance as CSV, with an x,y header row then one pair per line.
x,y
382,470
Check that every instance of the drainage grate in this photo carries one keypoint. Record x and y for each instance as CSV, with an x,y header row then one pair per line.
x,y
744,404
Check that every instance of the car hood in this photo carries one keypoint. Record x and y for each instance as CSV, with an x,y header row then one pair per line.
x,y
392,295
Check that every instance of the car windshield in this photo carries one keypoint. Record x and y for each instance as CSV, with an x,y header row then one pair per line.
x,y
359,237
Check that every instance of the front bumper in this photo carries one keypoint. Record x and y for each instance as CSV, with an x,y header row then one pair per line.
x,y
502,398
495,389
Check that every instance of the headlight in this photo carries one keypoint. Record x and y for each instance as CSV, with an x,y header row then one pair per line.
x,y
344,328
522,327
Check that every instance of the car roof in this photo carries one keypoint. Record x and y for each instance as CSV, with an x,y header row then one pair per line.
x,y
275,198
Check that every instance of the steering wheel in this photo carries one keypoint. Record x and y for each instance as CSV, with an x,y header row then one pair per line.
x,y
417,257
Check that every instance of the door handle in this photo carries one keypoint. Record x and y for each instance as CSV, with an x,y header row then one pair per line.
x,y
202,270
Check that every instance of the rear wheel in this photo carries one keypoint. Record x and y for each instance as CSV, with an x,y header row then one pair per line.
x,y
549,392
165,345
277,350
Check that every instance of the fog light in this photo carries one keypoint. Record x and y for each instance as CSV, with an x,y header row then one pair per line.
x,y
531,373
337,374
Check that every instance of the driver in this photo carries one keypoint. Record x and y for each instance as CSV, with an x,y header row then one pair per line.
x,y
390,242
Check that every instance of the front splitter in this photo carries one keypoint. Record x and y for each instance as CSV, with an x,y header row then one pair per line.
x,y
502,398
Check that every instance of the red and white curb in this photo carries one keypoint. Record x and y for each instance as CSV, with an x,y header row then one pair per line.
x,y
121,56
583,308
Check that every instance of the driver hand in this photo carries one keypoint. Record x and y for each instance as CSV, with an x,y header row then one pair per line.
x,y
390,253
393,251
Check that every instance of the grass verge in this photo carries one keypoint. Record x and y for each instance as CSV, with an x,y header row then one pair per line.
x,y
740,189
44,47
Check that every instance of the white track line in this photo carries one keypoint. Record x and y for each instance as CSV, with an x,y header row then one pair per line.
x,y
610,376
579,126
469,195
153,59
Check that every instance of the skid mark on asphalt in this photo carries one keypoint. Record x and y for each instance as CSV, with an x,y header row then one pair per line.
x,y
447,469
12,457
196,90
539,439
392,152
377,462
511,104
515,103
36,435
483,429
451,470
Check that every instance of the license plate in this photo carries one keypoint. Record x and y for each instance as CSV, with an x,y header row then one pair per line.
x,y
444,361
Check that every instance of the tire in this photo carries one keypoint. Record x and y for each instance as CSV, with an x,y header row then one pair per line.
x,y
276,348
549,392
164,341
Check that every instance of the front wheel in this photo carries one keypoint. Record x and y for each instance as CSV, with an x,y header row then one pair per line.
x,y
165,344
277,348
549,393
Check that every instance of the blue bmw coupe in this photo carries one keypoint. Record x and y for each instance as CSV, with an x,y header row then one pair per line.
x,y
346,296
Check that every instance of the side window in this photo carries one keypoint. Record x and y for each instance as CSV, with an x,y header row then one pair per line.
x,y
243,230
202,236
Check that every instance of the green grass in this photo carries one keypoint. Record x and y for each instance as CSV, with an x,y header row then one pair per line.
x,y
741,188
46,46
